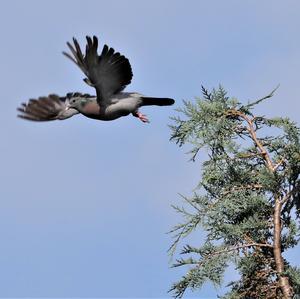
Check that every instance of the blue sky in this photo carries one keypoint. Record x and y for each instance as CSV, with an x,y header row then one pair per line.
x,y
85,205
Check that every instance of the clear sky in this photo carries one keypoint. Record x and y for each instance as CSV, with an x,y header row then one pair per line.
x,y
85,205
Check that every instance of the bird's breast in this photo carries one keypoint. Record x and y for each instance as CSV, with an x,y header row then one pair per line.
x,y
91,108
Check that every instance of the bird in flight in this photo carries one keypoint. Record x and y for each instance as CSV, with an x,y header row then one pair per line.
x,y
109,73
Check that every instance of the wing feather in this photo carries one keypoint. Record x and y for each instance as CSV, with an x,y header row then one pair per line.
x,y
46,108
109,73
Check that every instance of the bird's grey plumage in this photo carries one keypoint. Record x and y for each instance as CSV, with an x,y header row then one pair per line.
x,y
109,73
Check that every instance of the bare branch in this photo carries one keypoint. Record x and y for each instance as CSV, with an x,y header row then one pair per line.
x,y
290,194
281,162
264,98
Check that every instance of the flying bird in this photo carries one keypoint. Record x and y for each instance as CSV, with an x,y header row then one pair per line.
x,y
109,73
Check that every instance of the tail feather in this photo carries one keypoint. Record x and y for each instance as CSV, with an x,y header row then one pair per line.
x,y
147,101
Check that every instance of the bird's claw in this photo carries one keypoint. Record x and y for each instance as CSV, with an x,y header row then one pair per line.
x,y
142,117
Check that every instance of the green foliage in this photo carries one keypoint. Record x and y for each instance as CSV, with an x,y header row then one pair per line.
x,y
234,203
294,274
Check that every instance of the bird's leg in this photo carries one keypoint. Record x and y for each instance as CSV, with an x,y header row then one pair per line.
x,y
141,116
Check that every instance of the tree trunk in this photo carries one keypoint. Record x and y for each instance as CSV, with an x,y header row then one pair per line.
x,y
283,280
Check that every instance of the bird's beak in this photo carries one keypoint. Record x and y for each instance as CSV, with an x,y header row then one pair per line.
x,y
68,105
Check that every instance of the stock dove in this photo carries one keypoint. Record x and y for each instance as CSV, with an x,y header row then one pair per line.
x,y
109,74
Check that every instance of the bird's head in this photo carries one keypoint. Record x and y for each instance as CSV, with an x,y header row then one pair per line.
x,y
75,101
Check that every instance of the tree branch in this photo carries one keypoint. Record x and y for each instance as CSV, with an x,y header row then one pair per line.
x,y
241,188
253,135
237,247
290,194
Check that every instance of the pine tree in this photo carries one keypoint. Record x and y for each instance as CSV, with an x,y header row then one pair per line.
x,y
248,199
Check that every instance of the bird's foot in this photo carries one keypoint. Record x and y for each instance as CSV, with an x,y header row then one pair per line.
x,y
141,116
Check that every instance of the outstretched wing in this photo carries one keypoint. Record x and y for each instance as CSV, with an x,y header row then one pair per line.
x,y
109,73
46,108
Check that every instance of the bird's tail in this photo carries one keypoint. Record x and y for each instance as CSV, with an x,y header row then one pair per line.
x,y
157,101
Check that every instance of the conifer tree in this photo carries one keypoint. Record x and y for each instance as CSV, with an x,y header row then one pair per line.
x,y
248,200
